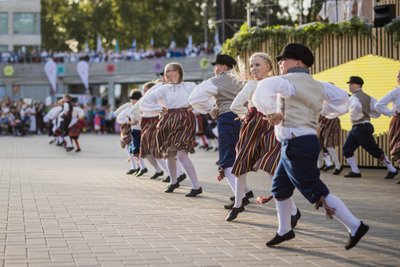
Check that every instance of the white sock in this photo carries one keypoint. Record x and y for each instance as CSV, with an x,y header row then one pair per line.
x,y
388,164
293,209
283,210
334,156
343,214
230,178
240,185
150,158
68,142
353,164
327,159
131,159
189,168
171,163
141,163
320,161
179,169
163,164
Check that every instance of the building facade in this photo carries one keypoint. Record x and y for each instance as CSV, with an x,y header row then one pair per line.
x,y
20,25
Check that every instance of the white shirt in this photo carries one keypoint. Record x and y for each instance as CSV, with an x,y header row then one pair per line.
x,y
52,114
130,115
391,97
266,100
202,99
170,96
244,96
356,112
149,114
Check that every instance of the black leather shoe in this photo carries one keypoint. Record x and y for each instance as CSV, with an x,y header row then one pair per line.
x,y
141,172
398,182
295,218
171,188
194,192
245,201
181,177
353,175
353,240
327,168
132,171
229,206
249,195
78,150
68,149
391,175
157,174
234,213
281,238
166,180
338,171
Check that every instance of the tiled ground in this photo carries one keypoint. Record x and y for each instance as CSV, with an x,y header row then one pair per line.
x,y
81,209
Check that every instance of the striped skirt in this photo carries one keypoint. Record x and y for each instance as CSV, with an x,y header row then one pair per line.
x,y
148,138
394,137
257,147
329,132
176,131
126,137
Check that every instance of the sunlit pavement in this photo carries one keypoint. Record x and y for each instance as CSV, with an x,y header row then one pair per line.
x,y
62,208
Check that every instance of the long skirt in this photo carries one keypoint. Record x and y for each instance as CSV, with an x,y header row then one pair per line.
x,y
394,137
176,131
329,132
257,147
148,138
126,137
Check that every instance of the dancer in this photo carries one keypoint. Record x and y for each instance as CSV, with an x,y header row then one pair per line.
x,y
215,96
257,147
293,102
75,126
362,108
394,127
66,115
176,127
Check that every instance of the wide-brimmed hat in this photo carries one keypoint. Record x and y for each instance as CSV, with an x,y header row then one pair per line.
x,y
298,52
225,60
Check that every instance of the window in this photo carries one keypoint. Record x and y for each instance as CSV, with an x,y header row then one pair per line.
x,y
3,23
26,23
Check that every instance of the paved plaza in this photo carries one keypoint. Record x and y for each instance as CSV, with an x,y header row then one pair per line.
x,y
81,209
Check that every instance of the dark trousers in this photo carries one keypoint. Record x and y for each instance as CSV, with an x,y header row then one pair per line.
x,y
361,135
228,136
297,168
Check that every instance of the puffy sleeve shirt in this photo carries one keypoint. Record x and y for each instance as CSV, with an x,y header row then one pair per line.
x,y
202,99
391,97
244,96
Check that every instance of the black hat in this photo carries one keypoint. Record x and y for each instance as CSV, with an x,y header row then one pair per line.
x,y
225,60
356,80
298,52
135,94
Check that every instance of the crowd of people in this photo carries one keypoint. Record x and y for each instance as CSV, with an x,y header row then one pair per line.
x,y
285,125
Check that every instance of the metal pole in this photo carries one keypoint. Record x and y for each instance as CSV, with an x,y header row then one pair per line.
x,y
248,12
223,20
206,26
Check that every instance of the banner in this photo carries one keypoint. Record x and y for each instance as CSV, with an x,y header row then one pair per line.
x,y
50,68
82,68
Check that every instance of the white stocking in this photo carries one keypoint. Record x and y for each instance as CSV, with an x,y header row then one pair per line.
x,y
334,156
171,163
230,178
240,185
187,164
283,209
353,164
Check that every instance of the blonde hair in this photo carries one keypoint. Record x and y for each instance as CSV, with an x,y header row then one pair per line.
x,y
178,67
267,59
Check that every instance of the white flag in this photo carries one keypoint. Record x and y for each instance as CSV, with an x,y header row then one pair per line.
x,y
50,68
82,68
99,48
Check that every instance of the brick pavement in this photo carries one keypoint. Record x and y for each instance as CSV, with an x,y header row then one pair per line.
x,y
96,215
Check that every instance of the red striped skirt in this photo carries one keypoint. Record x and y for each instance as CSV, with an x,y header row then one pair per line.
x,y
148,139
257,147
329,132
394,137
126,137
176,131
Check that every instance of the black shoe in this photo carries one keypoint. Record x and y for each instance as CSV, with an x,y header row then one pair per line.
x,y
68,149
234,213
132,171
181,177
391,175
249,194
321,168
281,238
194,192
245,201
157,174
78,150
166,180
338,171
398,182
353,175
327,168
295,218
171,188
353,240
141,172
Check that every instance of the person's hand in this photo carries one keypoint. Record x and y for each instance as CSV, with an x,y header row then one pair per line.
x,y
275,118
214,113
190,109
